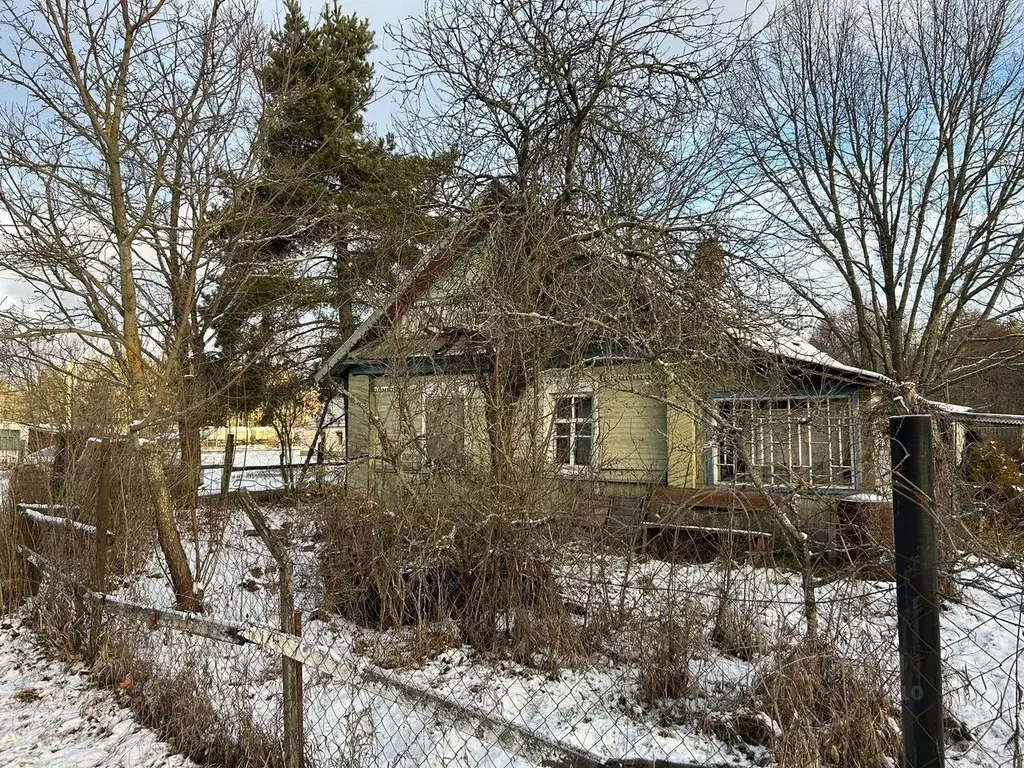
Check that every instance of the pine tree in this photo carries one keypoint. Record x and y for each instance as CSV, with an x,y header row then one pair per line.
x,y
332,213
338,197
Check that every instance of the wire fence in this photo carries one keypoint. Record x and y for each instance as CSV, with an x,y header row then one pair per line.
x,y
456,630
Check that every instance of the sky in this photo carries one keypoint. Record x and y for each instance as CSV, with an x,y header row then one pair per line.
x,y
382,112
379,116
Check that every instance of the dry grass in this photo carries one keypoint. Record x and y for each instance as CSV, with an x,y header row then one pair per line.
x,y
62,619
830,710
736,632
12,569
26,695
177,706
667,654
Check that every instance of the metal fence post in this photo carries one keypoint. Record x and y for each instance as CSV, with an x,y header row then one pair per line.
x,y
917,601
229,463
300,716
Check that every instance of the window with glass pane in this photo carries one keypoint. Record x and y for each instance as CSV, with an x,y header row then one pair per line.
x,y
444,430
574,430
786,442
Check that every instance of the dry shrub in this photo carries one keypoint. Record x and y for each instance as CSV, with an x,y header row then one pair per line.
x,y
993,469
831,710
131,517
667,652
62,618
12,571
131,514
176,706
476,556
30,484
736,631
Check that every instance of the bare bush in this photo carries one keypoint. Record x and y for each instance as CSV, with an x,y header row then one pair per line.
x,y
177,705
667,651
478,559
12,573
831,709
735,631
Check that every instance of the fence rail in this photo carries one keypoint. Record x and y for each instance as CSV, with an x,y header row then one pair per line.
x,y
34,513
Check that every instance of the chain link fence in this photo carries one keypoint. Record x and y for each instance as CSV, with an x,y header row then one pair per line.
x,y
471,627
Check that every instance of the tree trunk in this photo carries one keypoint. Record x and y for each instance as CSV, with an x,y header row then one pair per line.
x,y
284,437
185,597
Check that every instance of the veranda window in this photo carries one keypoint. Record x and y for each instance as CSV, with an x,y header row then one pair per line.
x,y
574,430
787,442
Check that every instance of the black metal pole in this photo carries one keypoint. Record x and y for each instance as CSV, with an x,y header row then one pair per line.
x,y
917,587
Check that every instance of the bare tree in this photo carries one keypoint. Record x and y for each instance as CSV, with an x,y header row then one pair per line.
x,y
585,133
129,120
880,147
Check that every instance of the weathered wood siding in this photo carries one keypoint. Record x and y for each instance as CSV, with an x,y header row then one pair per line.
x,y
686,444
632,424
359,448
632,431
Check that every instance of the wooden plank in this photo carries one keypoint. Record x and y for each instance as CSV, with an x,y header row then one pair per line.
x,y
625,519
715,498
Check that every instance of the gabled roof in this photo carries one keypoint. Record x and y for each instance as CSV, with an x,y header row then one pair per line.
x,y
435,264
430,268
788,346
409,290
778,342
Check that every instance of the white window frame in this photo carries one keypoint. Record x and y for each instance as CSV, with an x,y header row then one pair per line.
x,y
575,394
842,438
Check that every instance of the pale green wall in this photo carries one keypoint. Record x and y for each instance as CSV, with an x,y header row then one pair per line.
x,y
359,433
685,445
632,429
632,422
644,437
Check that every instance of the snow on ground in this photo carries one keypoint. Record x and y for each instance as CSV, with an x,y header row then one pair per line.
x,y
593,707
256,468
51,715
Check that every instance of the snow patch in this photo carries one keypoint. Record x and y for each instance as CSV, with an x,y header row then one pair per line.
x,y
52,716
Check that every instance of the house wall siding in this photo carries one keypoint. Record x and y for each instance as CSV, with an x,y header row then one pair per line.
x,y
685,445
633,432
632,427
644,438
359,447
